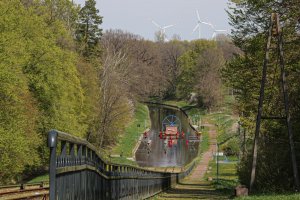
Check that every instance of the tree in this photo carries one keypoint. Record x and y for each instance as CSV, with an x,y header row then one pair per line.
x,y
88,32
208,84
188,67
170,63
144,76
250,20
40,87
115,109
19,140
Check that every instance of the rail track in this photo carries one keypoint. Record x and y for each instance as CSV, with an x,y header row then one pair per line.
x,y
35,191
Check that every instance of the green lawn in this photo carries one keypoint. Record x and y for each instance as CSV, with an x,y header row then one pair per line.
x,y
204,145
129,139
227,179
272,197
122,161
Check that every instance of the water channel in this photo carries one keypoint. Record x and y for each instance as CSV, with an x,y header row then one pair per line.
x,y
157,154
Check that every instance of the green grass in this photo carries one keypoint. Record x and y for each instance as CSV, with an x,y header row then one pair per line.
x,y
122,161
204,145
227,179
225,124
38,179
224,121
272,197
129,139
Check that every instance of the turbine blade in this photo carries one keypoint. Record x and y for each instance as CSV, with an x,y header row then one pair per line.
x,y
211,25
197,26
220,30
207,23
198,16
169,26
213,35
156,24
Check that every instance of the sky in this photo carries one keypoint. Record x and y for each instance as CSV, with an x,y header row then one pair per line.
x,y
135,16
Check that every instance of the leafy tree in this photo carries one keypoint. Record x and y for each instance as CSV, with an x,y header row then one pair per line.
x,y
250,20
188,67
88,32
40,87
18,138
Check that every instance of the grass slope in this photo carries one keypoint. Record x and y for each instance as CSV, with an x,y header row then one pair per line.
x,y
272,197
129,139
39,179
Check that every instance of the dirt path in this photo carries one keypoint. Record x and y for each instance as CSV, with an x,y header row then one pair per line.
x,y
201,169
193,186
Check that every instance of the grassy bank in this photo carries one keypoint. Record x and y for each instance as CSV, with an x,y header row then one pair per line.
x,y
272,197
130,137
226,180
42,178
224,120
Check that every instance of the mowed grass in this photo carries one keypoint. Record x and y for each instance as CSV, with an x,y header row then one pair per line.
x,y
128,140
227,179
272,197
204,145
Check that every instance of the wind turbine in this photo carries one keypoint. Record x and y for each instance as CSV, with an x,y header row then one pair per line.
x,y
216,31
198,25
162,30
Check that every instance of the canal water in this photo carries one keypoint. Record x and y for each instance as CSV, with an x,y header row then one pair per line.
x,y
153,151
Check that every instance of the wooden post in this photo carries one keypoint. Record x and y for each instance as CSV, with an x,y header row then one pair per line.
x,y
287,108
260,106
276,31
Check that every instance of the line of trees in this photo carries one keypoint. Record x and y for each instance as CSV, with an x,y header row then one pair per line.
x,y
59,70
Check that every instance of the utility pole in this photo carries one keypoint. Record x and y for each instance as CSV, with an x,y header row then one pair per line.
x,y
287,109
260,106
274,31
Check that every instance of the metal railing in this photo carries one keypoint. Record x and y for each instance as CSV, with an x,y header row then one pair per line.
x,y
77,171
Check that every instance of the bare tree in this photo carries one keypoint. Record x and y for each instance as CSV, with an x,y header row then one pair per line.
x,y
209,84
115,109
146,76
170,54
